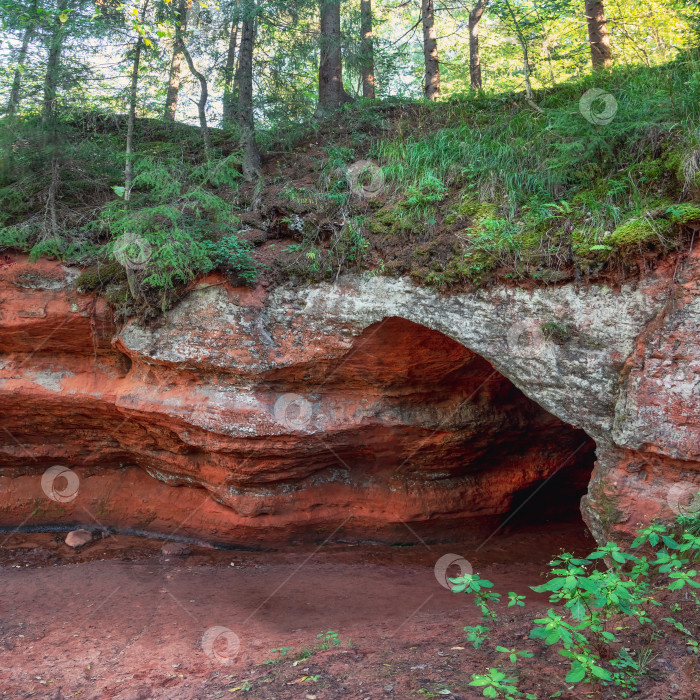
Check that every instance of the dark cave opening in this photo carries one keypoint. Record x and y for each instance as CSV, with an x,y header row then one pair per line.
x,y
491,457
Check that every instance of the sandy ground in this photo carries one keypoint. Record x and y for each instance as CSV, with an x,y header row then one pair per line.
x,y
119,620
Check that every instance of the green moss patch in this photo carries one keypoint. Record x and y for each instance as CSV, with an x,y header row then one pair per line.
x,y
639,231
99,276
684,213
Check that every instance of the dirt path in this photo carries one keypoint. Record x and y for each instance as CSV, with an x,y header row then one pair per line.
x,y
120,620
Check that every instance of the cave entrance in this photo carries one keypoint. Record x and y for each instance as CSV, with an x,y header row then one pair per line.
x,y
444,441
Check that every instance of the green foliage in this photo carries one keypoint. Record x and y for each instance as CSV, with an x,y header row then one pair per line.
x,y
180,207
282,651
571,193
316,258
99,276
469,583
178,213
83,169
556,332
235,253
638,231
520,193
516,600
514,654
594,597
495,684
428,190
684,213
14,237
328,639
477,635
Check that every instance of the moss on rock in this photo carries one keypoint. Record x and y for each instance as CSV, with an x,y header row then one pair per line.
x,y
476,211
683,213
638,231
99,276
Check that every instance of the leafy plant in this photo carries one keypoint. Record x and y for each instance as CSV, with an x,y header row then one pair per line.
x,y
495,684
609,585
477,635
514,654
329,639
282,651
516,600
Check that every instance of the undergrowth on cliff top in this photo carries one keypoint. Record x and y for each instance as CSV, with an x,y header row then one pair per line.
x,y
472,187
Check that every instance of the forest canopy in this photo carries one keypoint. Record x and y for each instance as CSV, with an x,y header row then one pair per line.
x,y
97,40
543,138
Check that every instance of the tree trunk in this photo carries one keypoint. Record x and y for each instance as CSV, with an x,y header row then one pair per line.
x,y
50,217
430,50
13,102
53,64
474,56
331,94
367,49
203,90
526,71
526,60
252,164
229,99
598,35
175,64
133,95
550,62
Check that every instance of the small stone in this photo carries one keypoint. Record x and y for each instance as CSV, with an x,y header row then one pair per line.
x,y
254,236
663,663
175,549
77,538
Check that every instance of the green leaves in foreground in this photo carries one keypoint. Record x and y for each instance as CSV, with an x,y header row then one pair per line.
x,y
514,654
495,684
596,598
584,666
470,583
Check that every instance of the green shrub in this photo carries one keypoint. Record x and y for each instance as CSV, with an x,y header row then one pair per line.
x,y
596,598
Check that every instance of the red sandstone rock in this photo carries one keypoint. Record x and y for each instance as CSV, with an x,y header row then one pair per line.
x,y
254,418
175,549
78,538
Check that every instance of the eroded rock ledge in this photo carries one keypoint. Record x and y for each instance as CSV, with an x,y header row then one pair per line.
x,y
261,415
